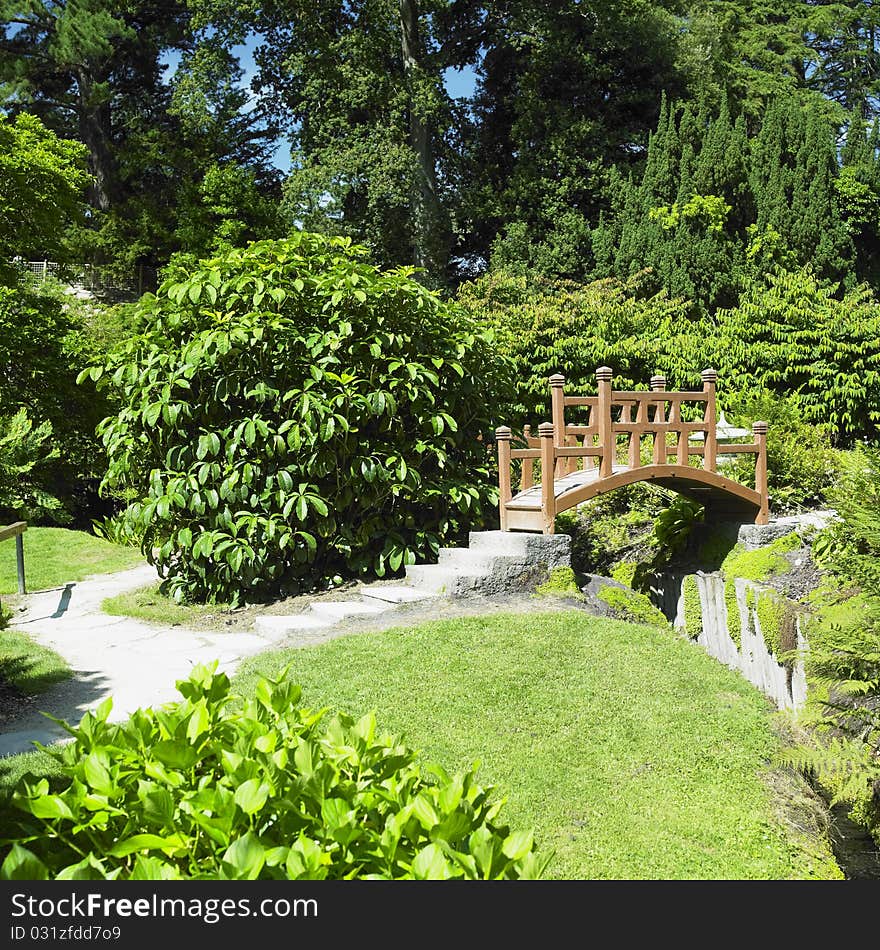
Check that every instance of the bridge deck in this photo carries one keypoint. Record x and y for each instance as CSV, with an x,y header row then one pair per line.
x,y
530,499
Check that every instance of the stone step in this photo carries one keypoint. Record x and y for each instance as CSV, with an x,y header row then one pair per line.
x,y
463,559
520,544
439,579
393,593
340,609
279,624
499,542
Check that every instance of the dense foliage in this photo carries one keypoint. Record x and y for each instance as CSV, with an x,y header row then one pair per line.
x,y
717,204
448,133
790,334
290,413
216,787
546,327
844,657
802,467
48,449
41,182
45,340
789,337
162,145
23,450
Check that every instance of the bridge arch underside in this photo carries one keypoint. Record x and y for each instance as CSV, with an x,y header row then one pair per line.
x,y
723,499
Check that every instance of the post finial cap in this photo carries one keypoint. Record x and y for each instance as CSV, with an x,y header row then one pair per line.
x,y
658,382
759,428
603,373
503,433
556,380
545,430
709,376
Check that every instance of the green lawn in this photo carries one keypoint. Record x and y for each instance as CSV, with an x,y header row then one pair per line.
x,y
146,603
54,556
25,664
629,751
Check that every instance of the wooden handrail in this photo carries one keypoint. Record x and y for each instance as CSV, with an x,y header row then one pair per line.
x,y
17,530
13,530
502,437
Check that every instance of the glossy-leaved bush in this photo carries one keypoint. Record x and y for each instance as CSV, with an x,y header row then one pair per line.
x,y
217,786
289,413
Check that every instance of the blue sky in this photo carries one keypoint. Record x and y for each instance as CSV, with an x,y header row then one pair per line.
x,y
459,83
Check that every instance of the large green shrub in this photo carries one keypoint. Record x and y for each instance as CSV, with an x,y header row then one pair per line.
x,y
219,787
289,413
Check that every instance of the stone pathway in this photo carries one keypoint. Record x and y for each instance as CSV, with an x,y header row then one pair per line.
x,y
138,663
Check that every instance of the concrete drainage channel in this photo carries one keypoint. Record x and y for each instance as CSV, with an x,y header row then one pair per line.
x,y
494,562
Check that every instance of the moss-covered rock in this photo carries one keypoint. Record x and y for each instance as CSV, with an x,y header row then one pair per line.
x,y
693,607
625,572
561,583
777,619
734,621
631,605
761,564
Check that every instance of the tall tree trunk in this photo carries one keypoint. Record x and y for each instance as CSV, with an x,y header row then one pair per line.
x,y
94,130
430,249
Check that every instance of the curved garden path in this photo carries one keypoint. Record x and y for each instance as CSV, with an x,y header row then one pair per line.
x,y
137,663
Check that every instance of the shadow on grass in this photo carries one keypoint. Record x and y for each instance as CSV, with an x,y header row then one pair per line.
x,y
29,666
31,674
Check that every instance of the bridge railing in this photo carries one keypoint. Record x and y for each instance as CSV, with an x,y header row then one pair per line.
x,y
617,424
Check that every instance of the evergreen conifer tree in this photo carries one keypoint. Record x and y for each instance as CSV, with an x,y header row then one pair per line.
x,y
714,206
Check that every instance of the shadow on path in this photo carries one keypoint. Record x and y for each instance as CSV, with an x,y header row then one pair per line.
x,y
68,700
64,603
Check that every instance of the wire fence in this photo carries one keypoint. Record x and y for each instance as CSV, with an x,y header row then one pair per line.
x,y
91,278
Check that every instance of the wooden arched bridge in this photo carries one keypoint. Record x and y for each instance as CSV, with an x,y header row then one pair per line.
x,y
579,462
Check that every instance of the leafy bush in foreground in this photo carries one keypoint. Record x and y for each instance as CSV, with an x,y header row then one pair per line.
x,y
224,788
291,413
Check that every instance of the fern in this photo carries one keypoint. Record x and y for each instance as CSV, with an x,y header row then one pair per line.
x,y
846,767
24,450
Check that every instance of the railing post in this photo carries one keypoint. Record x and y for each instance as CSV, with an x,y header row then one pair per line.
x,y
502,437
710,445
557,410
606,433
548,461
19,562
760,431
527,475
658,385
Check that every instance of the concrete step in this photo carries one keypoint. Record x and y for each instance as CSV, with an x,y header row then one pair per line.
x,y
508,543
500,543
393,593
340,609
